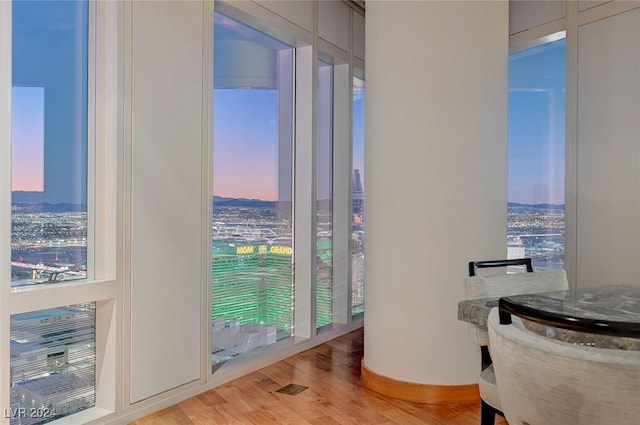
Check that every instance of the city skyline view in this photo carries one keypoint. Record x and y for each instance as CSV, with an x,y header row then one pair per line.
x,y
49,102
247,133
253,270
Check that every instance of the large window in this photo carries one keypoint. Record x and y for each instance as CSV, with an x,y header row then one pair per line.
x,y
357,199
52,351
266,91
252,294
536,154
49,142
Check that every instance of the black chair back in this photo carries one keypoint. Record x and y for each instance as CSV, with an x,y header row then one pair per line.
x,y
475,265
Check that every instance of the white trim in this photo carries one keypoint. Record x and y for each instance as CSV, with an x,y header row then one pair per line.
x,y
332,50
356,70
342,165
5,199
107,107
106,357
44,296
603,11
118,78
95,209
124,207
352,42
304,194
264,20
357,66
537,35
207,188
313,189
84,416
571,145
103,76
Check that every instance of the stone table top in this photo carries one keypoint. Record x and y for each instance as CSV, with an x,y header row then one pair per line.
x,y
476,311
607,316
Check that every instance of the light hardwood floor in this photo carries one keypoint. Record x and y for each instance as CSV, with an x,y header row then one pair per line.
x,y
334,395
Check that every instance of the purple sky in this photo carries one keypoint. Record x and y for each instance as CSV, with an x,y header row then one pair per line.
x,y
537,124
246,142
27,150
246,134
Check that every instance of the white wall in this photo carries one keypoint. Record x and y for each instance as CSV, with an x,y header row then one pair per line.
x,y
526,14
436,131
166,195
608,151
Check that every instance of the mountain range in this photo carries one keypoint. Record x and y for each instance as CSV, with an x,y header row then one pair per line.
x,y
540,206
218,201
40,207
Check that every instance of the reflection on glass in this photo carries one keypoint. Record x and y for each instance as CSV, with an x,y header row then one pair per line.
x,y
252,292
357,199
49,142
536,155
324,229
53,360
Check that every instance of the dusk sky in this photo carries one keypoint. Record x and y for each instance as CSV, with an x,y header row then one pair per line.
x,y
246,142
358,127
27,126
49,101
246,133
537,124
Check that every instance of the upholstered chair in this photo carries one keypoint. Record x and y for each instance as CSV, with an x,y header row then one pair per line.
x,y
544,381
495,286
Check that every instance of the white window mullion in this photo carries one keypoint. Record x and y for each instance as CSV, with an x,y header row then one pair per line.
x,y
95,212
305,194
105,146
5,199
207,187
341,193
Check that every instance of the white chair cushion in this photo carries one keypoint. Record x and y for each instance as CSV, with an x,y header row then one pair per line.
x,y
501,285
545,381
488,388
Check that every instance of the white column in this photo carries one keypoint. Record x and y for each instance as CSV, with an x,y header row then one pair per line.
x,y
436,155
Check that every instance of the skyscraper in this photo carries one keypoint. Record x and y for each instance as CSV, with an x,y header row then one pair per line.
x,y
357,198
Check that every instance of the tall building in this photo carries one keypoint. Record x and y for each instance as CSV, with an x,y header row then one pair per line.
x,y
357,199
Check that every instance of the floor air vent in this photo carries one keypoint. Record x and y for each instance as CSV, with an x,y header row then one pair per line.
x,y
292,389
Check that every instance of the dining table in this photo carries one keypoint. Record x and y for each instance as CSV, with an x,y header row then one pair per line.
x,y
602,316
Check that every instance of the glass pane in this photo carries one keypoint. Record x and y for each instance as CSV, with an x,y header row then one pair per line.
x,y
357,199
252,294
53,360
536,155
324,245
49,142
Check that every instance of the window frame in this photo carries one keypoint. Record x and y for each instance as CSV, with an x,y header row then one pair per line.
x,y
103,186
531,39
109,206
357,71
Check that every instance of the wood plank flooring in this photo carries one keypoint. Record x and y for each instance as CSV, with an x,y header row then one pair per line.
x,y
334,395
